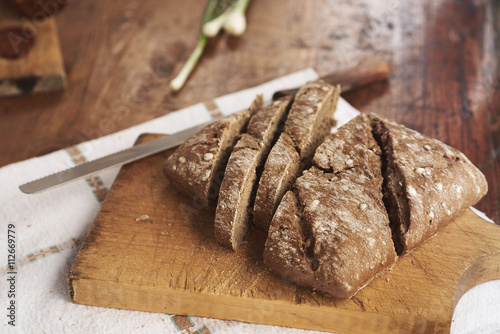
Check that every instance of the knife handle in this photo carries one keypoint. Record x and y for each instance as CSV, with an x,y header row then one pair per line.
x,y
367,71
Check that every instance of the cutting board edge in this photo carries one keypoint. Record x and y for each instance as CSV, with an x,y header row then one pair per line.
x,y
252,310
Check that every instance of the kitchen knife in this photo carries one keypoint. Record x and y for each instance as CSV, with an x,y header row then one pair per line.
x,y
367,71
116,159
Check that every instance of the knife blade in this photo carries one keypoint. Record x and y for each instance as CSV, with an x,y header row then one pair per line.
x,y
113,160
367,71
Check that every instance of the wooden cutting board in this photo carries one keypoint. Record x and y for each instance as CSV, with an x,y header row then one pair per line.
x,y
152,249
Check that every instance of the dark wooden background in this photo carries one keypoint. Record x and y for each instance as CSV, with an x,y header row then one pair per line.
x,y
120,57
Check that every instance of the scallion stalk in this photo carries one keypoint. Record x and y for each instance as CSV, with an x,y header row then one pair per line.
x,y
188,67
218,13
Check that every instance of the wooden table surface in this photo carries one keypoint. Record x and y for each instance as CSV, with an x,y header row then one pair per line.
x,y
120,58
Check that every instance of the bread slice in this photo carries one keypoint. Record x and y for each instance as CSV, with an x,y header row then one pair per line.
x,y
280,171
233,213
311,116
196,168
309,121
427,183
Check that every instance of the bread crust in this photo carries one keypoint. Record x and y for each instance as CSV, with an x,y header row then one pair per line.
x,y
280,171
428,183
311,116
237,191
196,168
231,217
334,251
332,232
309,121
352,145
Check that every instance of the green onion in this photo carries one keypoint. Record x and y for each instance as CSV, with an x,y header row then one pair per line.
x,y
218,13
236,23
188,67
232,20
212,28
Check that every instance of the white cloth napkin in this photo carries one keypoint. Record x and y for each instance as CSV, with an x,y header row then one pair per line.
x,y
48,227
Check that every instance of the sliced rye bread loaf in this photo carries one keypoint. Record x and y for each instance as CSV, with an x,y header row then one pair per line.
x,y
427,183
237,191
309,121
332,231
196,168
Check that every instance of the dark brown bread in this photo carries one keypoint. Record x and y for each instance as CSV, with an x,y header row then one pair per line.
x,y
321,235
280,171
428,183
232,216
197,167
332,231
311,116
309,121
352,145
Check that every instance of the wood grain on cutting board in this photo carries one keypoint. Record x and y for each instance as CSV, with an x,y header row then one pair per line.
x,y
152,249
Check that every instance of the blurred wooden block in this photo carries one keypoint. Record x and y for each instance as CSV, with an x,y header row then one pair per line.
x,y
42,68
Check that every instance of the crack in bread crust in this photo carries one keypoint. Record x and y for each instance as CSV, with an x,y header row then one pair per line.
x,y
393,188
427,183
332,231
